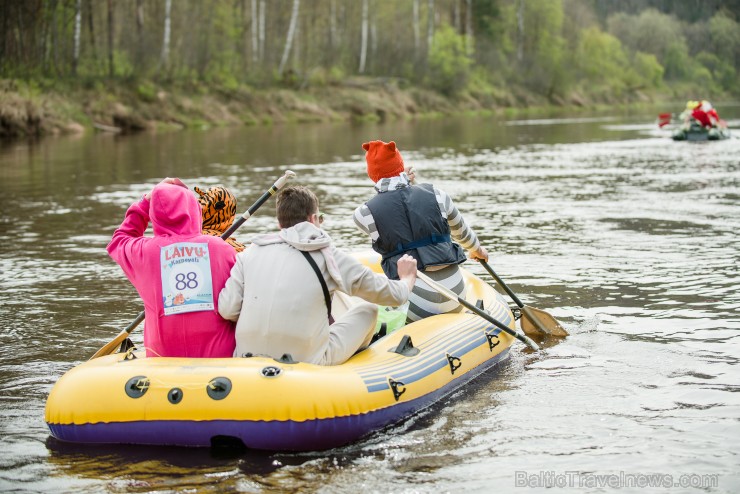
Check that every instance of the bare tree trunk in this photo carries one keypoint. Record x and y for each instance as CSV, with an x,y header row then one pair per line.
x,y
520,31
46,44
55,38
289,38
165,60
263,7
255,48
430,23
363,46
90,26
245,35
5,29
469,25
297,46
140,32
456,16
417,30
373,41
78,29
333,39
341,23
111,67
205,45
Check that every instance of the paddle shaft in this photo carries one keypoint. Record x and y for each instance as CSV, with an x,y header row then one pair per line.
x,y
452,296
249,212
501,282
542,323
254,207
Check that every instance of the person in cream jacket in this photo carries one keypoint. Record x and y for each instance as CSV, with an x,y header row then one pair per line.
x,y
277,299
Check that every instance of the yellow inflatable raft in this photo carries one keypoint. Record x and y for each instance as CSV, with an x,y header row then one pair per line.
x,y
273,405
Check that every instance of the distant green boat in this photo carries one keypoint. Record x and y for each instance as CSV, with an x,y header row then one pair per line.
x,y
698,133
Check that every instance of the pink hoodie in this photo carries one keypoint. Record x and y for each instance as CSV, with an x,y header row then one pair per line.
x,y
176,217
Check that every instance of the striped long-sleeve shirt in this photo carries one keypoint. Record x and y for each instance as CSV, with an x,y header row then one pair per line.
x,y
424,301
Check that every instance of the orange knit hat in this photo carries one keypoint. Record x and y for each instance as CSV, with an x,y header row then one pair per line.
x,y
383,160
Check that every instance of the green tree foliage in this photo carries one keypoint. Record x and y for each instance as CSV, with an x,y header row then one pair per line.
x,y
665,37
677,62
600,56
683,10
720,69
493,22
603,61
449,61
543,47
706,52
654,32
648,70
725,38
222,59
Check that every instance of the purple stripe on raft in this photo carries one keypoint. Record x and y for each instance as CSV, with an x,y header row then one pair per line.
x,y
310,435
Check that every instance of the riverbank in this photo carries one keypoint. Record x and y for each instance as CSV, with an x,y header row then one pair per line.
x,y
37,109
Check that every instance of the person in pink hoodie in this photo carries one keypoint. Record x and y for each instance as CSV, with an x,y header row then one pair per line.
x,y
177,272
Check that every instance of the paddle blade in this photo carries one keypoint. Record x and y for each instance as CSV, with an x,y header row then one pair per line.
x,y
538,322
664,119
111,346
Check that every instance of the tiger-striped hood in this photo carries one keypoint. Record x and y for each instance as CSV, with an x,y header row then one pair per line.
x,y
219,208
174,210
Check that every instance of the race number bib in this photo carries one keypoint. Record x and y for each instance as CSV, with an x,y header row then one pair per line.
x,y
186,278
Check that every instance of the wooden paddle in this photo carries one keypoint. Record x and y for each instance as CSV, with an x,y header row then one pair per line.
x,y
452,296
110,347
534,321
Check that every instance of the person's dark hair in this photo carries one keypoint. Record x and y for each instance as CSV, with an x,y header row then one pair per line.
x,y
295,204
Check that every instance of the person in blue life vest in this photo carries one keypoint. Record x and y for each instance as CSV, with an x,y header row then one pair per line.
x,y
418,220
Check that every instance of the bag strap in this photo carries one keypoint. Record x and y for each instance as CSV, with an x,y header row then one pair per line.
x,y
324,288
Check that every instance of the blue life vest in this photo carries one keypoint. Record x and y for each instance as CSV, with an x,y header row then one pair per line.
x,y
409,221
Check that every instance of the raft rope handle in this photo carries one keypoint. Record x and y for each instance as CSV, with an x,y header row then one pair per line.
x,y
159,383
135,348
164,384
130,354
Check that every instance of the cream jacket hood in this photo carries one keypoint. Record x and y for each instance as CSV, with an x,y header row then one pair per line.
x,y
307,237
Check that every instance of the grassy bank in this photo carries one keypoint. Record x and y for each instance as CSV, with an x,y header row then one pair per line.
x,y
53,107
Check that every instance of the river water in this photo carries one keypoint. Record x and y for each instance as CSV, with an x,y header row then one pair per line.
x,y
628,238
